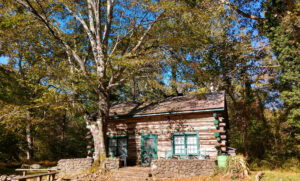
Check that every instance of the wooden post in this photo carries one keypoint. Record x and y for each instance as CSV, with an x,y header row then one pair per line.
x,y
24,173
52,177
39,178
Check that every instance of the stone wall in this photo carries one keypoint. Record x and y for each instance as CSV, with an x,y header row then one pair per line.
x,y
74,166
111,164
181,168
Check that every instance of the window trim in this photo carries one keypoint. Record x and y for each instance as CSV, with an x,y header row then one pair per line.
x,y
116,137
185,143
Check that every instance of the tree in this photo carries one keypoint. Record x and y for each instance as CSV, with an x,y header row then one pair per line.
x,y
280,24
282,27
114,32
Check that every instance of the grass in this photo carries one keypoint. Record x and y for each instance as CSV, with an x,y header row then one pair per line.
x,y
270,175
277,175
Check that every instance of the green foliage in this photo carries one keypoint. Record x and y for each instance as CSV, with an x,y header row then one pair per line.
x,y
12,89
282,28
196,47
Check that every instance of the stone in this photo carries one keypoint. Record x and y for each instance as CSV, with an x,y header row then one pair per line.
x,y
3,178
74,166
10,177
111,163
35,166
181,168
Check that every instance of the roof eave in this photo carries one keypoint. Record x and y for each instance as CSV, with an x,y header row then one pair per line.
x,y
167,113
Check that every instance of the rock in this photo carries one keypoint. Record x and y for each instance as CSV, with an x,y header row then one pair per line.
x,y
181,168
10,177
74,166
35,166
3,178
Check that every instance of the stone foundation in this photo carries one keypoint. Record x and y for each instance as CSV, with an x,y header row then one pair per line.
x,y
74,166
111,164
181,168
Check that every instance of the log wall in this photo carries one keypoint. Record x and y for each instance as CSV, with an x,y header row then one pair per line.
x,y
163,127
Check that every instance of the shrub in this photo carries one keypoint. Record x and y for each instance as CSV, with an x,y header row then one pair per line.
x,y
237,167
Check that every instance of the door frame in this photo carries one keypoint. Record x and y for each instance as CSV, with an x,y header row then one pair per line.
x,y
143,137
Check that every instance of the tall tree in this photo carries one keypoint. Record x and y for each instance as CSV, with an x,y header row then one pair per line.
x,y
278,20
114,33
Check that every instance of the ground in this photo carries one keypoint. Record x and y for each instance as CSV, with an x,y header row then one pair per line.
x,y
130,174
275,175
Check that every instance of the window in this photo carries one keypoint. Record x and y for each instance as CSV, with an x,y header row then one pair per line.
x,y
185,144
117,146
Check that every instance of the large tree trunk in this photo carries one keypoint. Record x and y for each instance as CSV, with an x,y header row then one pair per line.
x,y
98,128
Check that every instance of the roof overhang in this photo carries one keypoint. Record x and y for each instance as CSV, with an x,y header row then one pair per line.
x,y
166,113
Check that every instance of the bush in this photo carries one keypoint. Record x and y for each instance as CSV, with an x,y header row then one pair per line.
x,y
292,164
237,167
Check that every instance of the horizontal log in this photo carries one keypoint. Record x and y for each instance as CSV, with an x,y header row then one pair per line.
x,y
164,123
223,137
222,130
223,143
199,129
222,124
214,142
207,137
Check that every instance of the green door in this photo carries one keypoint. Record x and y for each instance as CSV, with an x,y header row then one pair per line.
x,y
148,149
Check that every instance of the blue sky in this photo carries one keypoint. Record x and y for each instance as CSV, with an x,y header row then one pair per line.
x,y
3,60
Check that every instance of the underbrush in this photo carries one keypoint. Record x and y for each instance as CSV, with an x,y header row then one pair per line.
x,y
9,168
291,164
236,168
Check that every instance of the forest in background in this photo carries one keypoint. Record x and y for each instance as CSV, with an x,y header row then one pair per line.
x,y
58,72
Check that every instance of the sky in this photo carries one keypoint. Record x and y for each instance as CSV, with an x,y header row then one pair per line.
x,y
3,60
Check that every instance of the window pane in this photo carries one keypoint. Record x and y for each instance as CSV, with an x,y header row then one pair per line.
x,y
149,143
191,149
122,146
178,140
112,142
122,141
191,139
185,144
179,149
112,151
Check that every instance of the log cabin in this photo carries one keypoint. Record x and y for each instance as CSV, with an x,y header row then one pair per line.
x,y
183,127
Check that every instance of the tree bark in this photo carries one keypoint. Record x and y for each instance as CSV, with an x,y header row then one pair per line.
x,y
98,128
174,79
133,89
29,142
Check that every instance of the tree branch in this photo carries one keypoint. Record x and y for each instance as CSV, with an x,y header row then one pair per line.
x,y
246,15
90,32
109,11
145,33
55,33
